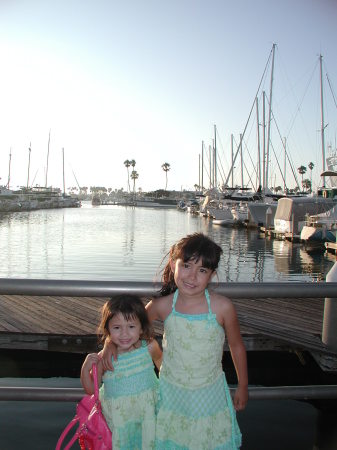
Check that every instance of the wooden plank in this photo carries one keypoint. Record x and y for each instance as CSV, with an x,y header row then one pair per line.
x,y
296,322
43,314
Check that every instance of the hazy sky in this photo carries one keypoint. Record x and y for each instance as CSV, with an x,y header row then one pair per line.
x,y
148,80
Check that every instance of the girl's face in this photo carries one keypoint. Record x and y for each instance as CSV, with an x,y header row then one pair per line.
x,y
191,277
124,333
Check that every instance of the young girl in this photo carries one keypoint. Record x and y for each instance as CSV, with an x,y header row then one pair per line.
x,y
129,393
195,410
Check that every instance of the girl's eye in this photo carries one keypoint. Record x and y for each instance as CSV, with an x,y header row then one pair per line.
x,y
186,266
115,328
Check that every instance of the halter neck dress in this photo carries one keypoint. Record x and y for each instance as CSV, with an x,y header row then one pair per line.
x,y
195,410
128,396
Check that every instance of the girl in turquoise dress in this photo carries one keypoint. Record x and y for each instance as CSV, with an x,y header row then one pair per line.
x,y
195,410
128,394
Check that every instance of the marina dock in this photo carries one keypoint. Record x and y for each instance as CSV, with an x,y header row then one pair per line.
x,y
68,324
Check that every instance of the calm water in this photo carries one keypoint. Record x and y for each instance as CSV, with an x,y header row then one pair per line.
x,y
118,243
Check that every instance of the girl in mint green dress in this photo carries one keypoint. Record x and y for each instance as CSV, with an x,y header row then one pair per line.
x,y
195,410
128,394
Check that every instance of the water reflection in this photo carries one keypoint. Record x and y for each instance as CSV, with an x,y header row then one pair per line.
x,y
118,243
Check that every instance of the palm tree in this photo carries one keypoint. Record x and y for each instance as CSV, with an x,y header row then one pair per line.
x,y
134,176
127,164
311,166
301,170
166,167
133,163
306,184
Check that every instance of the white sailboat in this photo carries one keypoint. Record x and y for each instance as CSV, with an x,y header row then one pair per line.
x,y
31,198
322,227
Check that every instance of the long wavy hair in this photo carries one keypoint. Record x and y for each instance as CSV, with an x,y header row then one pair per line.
x,y
192,247
131,307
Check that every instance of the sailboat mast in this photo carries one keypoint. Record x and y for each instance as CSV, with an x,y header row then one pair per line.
x,y
269,115
285,165
199,179
210,166
215,159
258,144
247,122
322,116
9,167
264,140
232,152
241,137
202,165
64,188
29,151
47,161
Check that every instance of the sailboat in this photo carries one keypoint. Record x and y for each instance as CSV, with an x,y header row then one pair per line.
x,y
321,225
37,197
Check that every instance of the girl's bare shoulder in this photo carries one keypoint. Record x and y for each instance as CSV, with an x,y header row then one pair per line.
x,y
221,304
160,307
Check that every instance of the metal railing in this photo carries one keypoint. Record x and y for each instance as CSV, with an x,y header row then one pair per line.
x,y
85,288
39,394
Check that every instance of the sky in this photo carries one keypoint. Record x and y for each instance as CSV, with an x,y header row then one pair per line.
x,y
152,80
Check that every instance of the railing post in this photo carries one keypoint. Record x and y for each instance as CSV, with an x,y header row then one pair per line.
x,y
329,331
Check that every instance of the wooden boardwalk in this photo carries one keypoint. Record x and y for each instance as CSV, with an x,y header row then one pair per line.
x,y
69,324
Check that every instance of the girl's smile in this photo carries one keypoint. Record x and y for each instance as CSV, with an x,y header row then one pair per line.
x,y
125,334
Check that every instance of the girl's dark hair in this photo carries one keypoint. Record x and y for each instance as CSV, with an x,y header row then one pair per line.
x,y
131,307
192,247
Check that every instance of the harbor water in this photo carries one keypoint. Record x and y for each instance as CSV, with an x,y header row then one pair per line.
x,y
124,243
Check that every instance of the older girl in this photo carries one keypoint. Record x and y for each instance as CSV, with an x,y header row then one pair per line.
x,y
195,410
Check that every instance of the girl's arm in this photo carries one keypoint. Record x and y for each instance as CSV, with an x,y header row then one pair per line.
x,y
151,309
87,379
238,353
156,353
108,353
159,308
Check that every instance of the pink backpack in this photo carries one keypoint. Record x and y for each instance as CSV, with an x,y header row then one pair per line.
x,y
93,432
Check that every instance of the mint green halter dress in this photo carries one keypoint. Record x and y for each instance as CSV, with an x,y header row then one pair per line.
x,y
195,410
128,396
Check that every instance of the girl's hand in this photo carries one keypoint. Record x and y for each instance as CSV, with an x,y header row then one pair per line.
x,y
92,358
109,351
86,377
240,398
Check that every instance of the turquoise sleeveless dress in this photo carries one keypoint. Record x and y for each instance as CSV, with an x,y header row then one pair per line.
x,y
195,410
128,396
